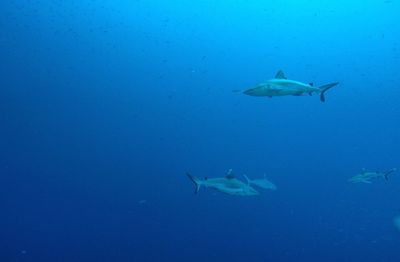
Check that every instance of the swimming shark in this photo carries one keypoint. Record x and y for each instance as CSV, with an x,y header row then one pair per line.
x,y
229,185
281,86
261,182
366,176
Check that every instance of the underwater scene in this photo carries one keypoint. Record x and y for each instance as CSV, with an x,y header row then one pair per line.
x,y
241,130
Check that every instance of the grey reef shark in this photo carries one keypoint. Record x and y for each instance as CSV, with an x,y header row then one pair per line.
x,y
228,184
367,176
281,86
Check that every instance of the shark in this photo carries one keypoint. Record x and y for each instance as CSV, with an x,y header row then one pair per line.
x,y
281,86
263,183
228,185
367,176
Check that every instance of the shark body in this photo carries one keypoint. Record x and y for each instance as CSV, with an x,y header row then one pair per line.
x,y
281,86
367,176
228,185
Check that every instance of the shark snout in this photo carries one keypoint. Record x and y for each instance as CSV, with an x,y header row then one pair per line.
x,y
246,92
249,92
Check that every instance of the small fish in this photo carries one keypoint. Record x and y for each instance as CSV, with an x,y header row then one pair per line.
x,y
281,86
228,185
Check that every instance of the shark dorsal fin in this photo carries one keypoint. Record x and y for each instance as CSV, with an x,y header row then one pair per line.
x,y
230,174
247,179
280,75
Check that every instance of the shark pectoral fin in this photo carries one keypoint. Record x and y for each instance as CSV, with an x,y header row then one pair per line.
x,y
280,75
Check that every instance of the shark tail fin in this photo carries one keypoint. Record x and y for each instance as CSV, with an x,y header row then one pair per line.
x,y
325,88
387,173
196,182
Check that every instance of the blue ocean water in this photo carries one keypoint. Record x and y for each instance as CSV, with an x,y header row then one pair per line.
x,y
105,105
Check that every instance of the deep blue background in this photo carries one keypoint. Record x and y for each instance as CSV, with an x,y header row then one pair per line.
x,y
105,105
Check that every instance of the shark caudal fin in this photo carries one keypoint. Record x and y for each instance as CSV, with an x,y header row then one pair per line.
x,y
387,173
325,88
196,182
